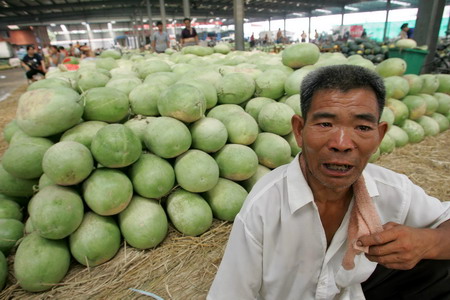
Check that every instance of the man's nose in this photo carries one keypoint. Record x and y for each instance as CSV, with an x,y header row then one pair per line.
x,y
341,140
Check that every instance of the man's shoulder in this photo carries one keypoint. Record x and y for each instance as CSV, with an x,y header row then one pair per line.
x,y
386,177
267,188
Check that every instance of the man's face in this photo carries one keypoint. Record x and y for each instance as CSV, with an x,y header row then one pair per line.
x,y
160,27
187,23
339,135
31,52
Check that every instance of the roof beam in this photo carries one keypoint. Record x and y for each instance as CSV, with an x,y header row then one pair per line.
x,y
86,4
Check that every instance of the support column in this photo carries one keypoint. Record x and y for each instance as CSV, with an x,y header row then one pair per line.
x,y
388,8
141,23
238,12
135,37
162,8
426,31
270,30
309,27
342,15
150,17
284,29
90,36
186,9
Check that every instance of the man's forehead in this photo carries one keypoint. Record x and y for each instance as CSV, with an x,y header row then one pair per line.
x,y
336,97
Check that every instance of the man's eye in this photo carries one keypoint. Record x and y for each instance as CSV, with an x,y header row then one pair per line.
x,y
325,124
364,128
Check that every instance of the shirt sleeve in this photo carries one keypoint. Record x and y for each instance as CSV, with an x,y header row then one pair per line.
x,y
424,210
240,272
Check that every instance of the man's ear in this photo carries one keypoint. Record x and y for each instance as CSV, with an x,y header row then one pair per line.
x,y
298,124
382,129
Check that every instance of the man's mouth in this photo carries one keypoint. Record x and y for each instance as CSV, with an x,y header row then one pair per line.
x,y
338,167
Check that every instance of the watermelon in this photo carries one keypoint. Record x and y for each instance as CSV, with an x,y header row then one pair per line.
x,y
196,171
143,223
107,191
96,240
56,212
189,212
40,264
226,199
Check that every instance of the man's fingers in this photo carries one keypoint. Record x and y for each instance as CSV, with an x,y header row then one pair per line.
x,y
390,225
381,238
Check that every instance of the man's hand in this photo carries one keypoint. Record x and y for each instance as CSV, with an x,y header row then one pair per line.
x,y
398,246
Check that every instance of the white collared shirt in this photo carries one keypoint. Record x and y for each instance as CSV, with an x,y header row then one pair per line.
x,y
277,248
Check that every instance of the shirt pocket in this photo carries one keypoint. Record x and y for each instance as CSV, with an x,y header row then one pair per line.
x,y
362,270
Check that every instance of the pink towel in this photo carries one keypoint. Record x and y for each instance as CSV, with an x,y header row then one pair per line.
x,y
364,220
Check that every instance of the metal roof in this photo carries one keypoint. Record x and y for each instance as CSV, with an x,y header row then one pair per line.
x,y
46,12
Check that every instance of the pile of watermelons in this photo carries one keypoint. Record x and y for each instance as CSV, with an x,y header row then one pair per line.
x,y
128,143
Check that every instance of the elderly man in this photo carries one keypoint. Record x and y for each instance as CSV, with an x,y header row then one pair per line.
x,y
313,229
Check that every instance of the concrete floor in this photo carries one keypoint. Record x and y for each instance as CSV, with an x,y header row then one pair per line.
x,y
10,80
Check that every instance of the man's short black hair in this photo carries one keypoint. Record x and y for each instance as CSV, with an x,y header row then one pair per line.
x,y
186,19
342,78
404,25
159,23
30,47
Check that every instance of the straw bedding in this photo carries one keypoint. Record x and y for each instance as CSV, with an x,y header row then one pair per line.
x,y
184,267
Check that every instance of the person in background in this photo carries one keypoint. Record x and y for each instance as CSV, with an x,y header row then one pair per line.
x,y
252,40
76,49
328,225
56,57
21,52
404,31
303,36
410,33
70,51
189,36
279,36
33,63
64,51
160,39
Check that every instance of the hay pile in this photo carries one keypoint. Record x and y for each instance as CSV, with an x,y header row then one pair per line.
x,y
184,267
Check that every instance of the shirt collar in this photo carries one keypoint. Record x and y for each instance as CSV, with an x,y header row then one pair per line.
x,y
299,192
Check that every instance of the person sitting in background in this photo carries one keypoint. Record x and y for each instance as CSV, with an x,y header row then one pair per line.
x,y
33,63
56,57
64,51
404,31
189,36
329,225
160,39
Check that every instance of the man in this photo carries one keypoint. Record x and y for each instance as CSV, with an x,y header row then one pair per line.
x,y
56,56
33,63
404,31
160,39
290,241
279,36
303,36
189,36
